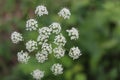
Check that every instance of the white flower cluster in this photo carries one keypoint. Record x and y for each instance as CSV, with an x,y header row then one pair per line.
x,y
75,53
55,27
45,31
31,24
45,46
44,34
37,74
65,13
59,52
16,37
41,10
60,40
42,39
23,57
73,33
42,56
57,69
31,45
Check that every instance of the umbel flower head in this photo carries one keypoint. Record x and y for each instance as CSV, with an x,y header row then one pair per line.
x,y
65,13
37,74
23,57
31,24
73,33
44,46
57,69
16,37
41,10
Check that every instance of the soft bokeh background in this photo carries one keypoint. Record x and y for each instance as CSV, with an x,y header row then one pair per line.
x,y
98,22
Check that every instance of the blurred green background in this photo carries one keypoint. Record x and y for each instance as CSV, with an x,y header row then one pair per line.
x,y
98,22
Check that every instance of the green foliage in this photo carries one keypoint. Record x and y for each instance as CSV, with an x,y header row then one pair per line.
x,y
98,22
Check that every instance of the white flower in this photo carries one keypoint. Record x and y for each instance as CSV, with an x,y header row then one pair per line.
x,y
45,31
57,69
55,27
37,74
65,13
31,24
59,52
60,40
31,45
47,47
41,10
44,34
23,57
75,53
73,33
16,37
42,56
42,39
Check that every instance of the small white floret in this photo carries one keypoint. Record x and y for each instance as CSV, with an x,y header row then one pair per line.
x,y
59,52
41,10
65,13
47,47
23,57
37,74
42,56
60,40
55,27
75,53
45,31
42,39
73,33
57,69
31,45
16,37
31,24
